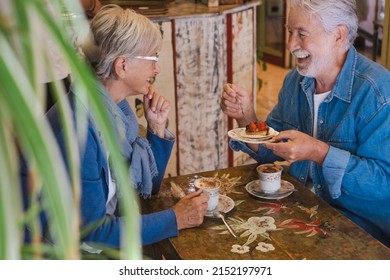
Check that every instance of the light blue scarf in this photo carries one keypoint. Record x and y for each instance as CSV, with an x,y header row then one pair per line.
x,y
136,149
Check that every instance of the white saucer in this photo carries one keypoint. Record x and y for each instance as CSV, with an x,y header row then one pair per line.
x,y
225,204
280,193
236,133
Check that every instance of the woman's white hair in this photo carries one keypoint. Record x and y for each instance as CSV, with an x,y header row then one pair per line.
x,y
116,31
333,13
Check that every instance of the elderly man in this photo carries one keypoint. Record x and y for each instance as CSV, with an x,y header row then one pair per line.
x,y
333,114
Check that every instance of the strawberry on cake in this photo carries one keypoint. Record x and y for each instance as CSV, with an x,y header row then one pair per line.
x,y
259,128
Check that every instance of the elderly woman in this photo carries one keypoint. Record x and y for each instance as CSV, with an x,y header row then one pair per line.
x,y
123,50
333,115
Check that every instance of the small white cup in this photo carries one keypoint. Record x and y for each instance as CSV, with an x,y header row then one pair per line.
x,y
269,177
210,186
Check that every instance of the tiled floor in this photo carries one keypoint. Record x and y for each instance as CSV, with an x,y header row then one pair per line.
x,y
272,82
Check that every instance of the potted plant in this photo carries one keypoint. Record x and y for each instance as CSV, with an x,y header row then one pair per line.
x,y
25,130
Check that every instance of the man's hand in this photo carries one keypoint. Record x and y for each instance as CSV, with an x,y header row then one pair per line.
x,y
295,146
233,99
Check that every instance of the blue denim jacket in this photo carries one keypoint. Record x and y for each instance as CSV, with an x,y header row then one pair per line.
x,y
94,188
355,121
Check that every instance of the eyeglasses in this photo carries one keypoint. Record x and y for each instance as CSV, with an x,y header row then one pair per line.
x,y
152,58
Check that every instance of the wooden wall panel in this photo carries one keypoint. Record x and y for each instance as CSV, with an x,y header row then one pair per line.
x,y
200,75
243,61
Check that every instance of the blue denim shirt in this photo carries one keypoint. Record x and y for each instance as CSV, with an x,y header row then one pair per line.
x,y
355,121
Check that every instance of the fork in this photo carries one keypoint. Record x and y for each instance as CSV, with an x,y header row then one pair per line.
x,y
242,111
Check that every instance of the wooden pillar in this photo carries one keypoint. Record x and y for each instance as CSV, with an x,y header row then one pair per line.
x,y
385,61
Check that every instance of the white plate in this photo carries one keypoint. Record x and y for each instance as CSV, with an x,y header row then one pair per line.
x,y
225,204
271,133
280,193
236,135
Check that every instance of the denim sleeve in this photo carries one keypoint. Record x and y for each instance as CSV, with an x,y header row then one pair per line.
x,y
158,226
365,172
162,149
263,155
333,169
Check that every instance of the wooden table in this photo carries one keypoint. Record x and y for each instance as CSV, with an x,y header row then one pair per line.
x,y
300,226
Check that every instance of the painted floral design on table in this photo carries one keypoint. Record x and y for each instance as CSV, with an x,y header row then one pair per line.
x,y
259,228
312,228
261,246
227,183
271,208
178,191
255,232
250,230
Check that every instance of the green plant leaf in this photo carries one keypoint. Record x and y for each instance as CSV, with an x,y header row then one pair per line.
x,y
24,128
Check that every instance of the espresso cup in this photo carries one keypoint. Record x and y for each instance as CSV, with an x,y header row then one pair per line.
x,y
211,187
269,177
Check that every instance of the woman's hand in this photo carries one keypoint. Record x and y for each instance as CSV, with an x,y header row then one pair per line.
x,y
156,109
190,210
